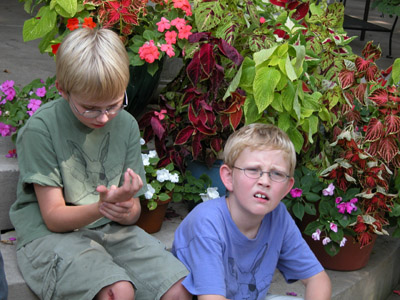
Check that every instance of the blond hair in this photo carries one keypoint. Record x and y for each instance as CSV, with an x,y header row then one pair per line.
x,y
93,63
259,136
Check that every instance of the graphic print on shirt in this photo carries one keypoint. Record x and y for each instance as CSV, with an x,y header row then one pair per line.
x,y
90,170
243,284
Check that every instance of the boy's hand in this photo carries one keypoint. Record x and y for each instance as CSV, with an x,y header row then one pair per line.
x,y
132,184
125,213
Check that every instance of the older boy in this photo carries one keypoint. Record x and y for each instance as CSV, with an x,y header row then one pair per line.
x,y
81,174
232,245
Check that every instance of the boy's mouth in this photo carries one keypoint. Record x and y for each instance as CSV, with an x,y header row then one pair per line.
x,y
262,196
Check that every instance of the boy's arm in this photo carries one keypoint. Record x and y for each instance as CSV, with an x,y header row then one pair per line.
x,y
318,287
59,217
117,204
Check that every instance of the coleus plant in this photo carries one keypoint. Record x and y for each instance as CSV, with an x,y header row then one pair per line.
x,y
192,111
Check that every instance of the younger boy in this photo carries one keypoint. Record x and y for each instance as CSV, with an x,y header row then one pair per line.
x,y
232,245
81,174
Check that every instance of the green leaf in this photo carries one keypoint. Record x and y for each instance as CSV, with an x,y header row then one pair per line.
x,y
40,25
290,72
250,110
312,197
207,15
309,208
285,122
297,139
265,82
66,8
263,55
396,71
288,95
298,210
332,248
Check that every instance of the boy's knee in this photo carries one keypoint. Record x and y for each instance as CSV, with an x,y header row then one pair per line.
x,y
119,290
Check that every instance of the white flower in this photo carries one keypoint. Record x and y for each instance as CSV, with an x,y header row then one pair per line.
x,y
316,235
326,241
152,153
343,242
150,192
162,175
211,193
174,178
145,159
142,141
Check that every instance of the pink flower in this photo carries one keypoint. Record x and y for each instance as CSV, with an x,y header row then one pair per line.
x,y
338,199
329,190
6,85
33,105
149,52
184,5
163,25
41,92
160,115
316,235
170,37
6,130
184,32
179,23
262,20
333,227
167,48
296,192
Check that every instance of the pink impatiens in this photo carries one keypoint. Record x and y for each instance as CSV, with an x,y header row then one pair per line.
x,y
149,52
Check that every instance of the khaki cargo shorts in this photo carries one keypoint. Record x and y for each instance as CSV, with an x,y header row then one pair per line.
x,y
77,265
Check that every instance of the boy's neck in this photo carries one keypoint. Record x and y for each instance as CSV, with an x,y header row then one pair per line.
x,y
247,225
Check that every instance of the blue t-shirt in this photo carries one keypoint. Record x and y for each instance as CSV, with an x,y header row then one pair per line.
x,y
223,261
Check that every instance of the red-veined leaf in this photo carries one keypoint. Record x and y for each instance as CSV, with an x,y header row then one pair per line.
x,y
301,11
193,70
359,92
393,124
235,118
230,52
196,145
346,79
371,73
379,96
388,148
371,52
361,64
375,130
216,144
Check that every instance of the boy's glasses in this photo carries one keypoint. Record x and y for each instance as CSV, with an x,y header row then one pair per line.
x,y
94,113
256,174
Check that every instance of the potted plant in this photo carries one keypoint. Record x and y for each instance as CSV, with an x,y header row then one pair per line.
x,y
166,184
151,32
360,164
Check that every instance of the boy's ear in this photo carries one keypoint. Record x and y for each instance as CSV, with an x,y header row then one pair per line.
x,y
290,184
60,90
226,177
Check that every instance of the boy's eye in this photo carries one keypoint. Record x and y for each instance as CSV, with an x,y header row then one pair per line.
x,y
278,175
254,172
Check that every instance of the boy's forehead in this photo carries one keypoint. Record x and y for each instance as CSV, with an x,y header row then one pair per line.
x,y
97,100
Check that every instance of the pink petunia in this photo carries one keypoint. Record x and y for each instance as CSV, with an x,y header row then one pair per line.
x,y
6,130
163,25
41,92
170,37
296,192
149,52
167,48
33,105
179,23
333,227
185,32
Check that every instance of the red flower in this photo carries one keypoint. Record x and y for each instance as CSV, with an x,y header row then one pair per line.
x,y
73,24
88,23
54,48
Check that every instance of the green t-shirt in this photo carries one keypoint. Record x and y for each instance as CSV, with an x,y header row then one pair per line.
x,y
55,149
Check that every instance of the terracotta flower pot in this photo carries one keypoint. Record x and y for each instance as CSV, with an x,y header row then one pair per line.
x,y
151,220
350,257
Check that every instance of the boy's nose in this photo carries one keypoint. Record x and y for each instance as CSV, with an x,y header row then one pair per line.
x,y
264,179
103,117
